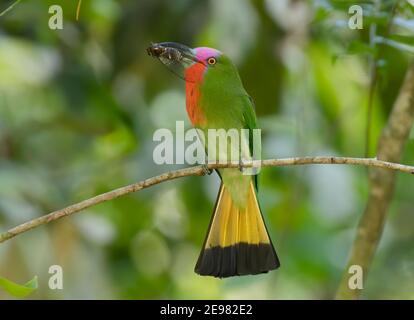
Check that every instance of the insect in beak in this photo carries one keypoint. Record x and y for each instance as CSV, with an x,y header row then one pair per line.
x,y
173,52
175,56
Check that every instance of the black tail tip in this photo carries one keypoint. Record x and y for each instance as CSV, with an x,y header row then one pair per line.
x,y
237,260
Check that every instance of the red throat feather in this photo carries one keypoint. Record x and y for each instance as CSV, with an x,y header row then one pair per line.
x,y
194,76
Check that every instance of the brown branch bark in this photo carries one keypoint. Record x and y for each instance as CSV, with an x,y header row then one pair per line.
x,y
193,171
382,185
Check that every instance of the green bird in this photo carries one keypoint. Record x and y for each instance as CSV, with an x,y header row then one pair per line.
x,y
237,241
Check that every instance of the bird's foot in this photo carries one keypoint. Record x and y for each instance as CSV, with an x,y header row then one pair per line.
x,y
241,165
206,170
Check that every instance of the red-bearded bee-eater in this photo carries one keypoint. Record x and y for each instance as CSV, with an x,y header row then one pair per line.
x,y
237,241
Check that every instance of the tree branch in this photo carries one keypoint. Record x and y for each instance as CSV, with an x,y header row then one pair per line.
x,y
192,171
382,185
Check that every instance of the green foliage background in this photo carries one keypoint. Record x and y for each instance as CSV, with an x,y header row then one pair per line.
x,y
78,108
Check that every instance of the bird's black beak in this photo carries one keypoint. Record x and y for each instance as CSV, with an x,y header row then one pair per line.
x,y
172,52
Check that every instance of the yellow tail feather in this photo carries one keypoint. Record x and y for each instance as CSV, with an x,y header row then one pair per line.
x,y
232,225
237,242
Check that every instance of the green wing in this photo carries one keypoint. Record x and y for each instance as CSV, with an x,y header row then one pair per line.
x,y
249,119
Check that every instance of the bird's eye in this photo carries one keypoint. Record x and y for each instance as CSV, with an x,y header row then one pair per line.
x,y
212,61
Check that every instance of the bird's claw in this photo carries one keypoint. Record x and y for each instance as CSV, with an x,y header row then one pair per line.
x,y
241,165
206,170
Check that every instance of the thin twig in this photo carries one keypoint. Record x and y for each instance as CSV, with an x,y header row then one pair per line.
x,y
193,171
9,8
395,44
78,9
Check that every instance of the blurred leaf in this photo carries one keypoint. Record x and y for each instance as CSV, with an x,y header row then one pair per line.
x,y
321,14
359,47
116,143
17,290
381,19
345,4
